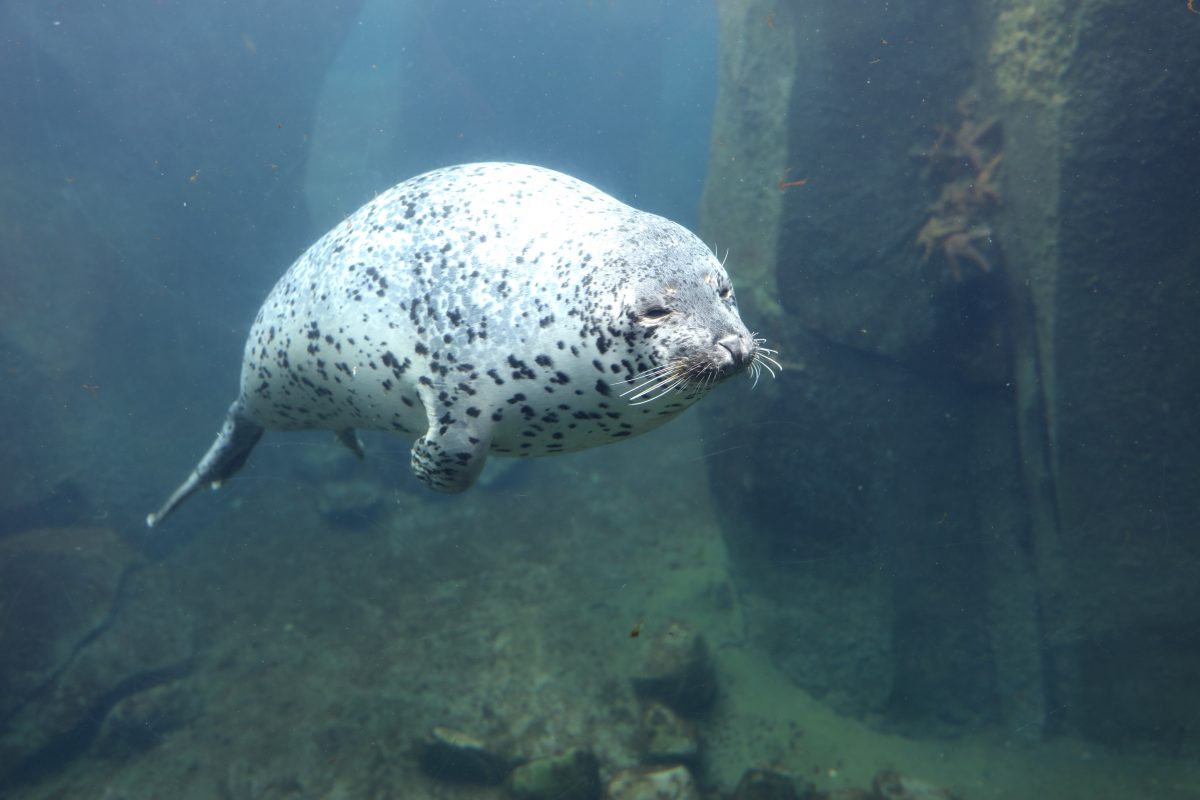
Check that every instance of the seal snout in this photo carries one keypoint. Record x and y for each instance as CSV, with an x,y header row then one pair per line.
x,y
738,349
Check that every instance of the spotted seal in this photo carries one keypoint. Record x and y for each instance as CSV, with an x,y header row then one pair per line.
x,y
486,308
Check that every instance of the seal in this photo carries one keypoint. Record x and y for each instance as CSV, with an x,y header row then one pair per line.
x,y
486,308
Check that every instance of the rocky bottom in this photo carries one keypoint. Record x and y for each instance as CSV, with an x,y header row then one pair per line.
x,y
565,632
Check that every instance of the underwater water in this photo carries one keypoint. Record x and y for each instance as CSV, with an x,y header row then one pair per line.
x,y
946,548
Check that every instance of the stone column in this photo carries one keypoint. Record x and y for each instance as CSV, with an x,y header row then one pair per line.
x,y
967,230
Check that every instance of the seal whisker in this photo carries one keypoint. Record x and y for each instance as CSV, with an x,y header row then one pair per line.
x,y
653,371
652,385
765,359
716,251
647,396
645,388
762,359
765,362
652,374
708,377
682,379
678,380
702,371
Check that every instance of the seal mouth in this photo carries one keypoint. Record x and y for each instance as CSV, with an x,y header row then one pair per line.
x,y
693,376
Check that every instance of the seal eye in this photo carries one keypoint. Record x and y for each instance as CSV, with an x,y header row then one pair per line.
x,y
725,292
655,313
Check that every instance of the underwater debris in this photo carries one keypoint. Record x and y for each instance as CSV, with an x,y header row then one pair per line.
x,y
964,162
784,184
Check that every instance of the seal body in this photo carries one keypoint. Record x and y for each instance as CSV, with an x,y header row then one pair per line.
x,y
485,308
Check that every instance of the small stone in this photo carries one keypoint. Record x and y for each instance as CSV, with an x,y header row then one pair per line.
x,y
667,737
574,775
678,671
891,785
769,784
457,757
653,783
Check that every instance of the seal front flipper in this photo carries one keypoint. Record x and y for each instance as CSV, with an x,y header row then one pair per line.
x,y
450,456
226,456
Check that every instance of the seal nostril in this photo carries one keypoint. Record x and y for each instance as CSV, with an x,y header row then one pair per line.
x,y
736,348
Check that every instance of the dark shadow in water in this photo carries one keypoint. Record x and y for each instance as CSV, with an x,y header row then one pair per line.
x,y
64,506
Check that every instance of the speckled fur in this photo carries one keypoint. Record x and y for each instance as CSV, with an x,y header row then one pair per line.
x,y
486,308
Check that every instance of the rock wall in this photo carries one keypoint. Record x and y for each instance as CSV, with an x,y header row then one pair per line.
x,y
81,636
962,225
1115,299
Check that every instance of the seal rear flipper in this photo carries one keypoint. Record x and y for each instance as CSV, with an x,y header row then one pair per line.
x,y
226,456
451,459
349,437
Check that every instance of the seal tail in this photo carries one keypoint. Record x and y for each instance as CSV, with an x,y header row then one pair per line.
x,y
226,456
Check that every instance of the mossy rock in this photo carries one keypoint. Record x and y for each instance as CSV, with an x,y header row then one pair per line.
x,y
457,757
574,775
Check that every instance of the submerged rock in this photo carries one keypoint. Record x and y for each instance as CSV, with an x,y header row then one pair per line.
x,y
574,775
891,785
140,721
653,783
769,784
450,755
57,587
668,738
678,671
82,627
849,793
85,628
